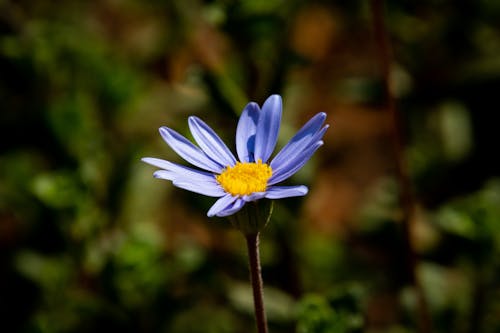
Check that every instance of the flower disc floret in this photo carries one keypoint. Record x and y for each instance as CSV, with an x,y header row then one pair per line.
x,y
245,178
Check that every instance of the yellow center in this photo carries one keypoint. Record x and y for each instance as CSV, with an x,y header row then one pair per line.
x,y
245,178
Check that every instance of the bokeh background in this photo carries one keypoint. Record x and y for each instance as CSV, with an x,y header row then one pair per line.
x,y
90,242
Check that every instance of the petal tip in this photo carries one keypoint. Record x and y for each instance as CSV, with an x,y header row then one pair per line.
x,y
151,161
274,100
164,130
304,190
252,105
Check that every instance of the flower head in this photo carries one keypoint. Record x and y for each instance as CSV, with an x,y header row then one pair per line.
x,y
253,177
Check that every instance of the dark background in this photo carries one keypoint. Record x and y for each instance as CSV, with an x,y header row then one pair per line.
x,y
90,242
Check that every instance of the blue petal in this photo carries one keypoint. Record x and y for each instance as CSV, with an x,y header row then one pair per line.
x,y
300,141
284,160
294,164
188,151
178,169
226,201
204,188
232,208
210,142
174,176
268,127
164,174
279,192
245,132
254,196
208,187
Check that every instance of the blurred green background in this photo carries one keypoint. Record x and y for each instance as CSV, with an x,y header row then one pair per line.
x,y
90,242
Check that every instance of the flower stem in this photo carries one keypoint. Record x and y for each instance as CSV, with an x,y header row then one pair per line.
x,y
256,280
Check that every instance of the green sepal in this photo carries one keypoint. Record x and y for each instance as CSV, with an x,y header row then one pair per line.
x,y
253,217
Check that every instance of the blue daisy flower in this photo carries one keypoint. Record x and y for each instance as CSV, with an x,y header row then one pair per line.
x,y
253,177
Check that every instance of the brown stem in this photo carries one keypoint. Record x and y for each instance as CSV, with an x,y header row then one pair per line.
x,y
256,280
406,194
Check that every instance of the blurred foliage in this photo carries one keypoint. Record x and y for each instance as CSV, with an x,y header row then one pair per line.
x,y
89,242
339,311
